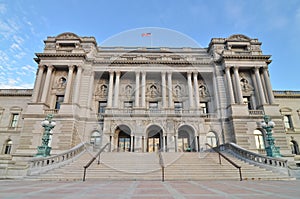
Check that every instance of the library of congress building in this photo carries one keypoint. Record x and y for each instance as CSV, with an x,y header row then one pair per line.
x,y
147,99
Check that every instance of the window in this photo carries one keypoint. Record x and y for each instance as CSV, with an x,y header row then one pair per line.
x,y
128,104
288,122
259,139
247,100
211,139
7,147
153,105
178,106
203,107
102,106
14,120
59,100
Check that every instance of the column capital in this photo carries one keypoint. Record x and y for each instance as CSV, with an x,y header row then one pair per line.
x,y
41,66
137,72
118,73
143,72
257,67
111,72
170,72
227,68
236,68
71,67
163,72
50,67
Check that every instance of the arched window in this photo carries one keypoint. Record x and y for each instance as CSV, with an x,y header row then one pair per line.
x,y
211,139
259,139
8,146
95,139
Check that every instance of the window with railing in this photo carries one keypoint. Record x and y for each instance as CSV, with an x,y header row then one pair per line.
x,y
178,106
59,101
153,106
203,107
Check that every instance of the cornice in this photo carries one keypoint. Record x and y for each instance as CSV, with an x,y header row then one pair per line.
x,y
61,55
260,57
177,62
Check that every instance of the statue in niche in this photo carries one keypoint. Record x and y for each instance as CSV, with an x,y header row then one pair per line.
x,y
101,90
153,90
203,90
245,85
128,90
61,83
178,90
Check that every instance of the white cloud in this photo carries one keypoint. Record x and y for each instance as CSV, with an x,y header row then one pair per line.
x,y
20,55
29,68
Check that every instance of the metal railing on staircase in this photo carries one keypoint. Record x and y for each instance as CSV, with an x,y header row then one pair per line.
x,y
92,160
217,150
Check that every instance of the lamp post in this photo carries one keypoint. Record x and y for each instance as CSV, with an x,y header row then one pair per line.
x,y
271,149
48,125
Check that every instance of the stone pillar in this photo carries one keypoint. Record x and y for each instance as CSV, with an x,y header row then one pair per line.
x,y
165,144
69,83
229,83
259,85
196,143
47,84
170,93
197,100
117,87
190,88
238,85
137,89
91,88
77,86
268,86
131,143
110,89
164,91
175,143
37,85
144,89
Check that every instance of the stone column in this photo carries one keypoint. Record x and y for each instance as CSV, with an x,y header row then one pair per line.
x,y
137,89
37,85
238,85
197,100
131,143
77,86
268,86
47,83
164,91
196,143
229,83
170,93
117,87
144,89
91,88
110,89
69,83
190,88
259,85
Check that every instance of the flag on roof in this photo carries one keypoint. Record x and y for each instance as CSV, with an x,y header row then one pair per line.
x,y
148,34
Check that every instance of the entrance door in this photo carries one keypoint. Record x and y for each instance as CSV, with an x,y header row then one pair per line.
x,y
123,142
154,143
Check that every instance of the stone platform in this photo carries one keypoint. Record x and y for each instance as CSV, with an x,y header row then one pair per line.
x,y
34,189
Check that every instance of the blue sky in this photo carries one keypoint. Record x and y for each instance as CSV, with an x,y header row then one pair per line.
x,y
24,24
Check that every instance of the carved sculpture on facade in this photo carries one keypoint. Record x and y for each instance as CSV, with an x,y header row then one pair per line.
x,y
203,91
245,85
101,89
153,90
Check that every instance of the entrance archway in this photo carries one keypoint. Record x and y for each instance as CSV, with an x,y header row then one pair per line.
x,y
186,139
123,133
154,140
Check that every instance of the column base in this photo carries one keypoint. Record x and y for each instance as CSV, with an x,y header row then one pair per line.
x,y
43,151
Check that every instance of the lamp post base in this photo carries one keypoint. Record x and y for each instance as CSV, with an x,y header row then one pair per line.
x,y
273,151
43,151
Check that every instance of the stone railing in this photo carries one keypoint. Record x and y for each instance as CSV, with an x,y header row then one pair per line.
x,y
275,164
40,165
176,112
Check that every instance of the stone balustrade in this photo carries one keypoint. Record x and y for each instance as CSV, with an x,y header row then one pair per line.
x,y
275,164
42,164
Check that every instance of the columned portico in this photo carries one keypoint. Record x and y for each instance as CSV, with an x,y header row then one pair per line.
x,y
259,85
238,85
69,83
170,90
110,89
229,84
190,89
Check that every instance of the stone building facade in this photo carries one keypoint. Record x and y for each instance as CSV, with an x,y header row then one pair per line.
x,y
143,99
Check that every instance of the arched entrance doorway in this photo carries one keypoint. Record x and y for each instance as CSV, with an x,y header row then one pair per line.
x,y
186,139
123,133
154,141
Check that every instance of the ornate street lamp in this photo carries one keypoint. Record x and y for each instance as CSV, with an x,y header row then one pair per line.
x,y
48,124
271,149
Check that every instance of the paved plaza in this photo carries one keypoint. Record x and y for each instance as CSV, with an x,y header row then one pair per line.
x,y
31,189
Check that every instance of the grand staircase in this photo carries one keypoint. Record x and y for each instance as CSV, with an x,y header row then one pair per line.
x,y
146,166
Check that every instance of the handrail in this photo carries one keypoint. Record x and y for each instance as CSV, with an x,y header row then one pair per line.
x,y
257,158
161,163
42,164
226,158
92,160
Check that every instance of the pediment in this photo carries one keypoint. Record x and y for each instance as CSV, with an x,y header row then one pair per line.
x,y
239,37
67,35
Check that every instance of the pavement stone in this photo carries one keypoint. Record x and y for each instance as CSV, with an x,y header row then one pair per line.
x,y
94,189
